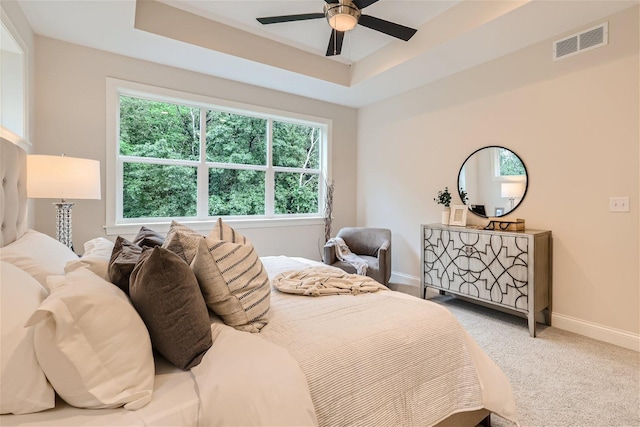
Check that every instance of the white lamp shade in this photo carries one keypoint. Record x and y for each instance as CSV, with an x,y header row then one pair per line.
x,y
60,177
511,190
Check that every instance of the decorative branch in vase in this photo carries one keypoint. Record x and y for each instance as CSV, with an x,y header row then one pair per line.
x,y
328,209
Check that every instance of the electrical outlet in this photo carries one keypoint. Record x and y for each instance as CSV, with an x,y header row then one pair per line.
x,y
618,204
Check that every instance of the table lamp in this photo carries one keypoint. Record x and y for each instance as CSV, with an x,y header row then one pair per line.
x,y
511,191
61,177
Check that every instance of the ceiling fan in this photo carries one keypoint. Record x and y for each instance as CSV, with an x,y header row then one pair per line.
x,y
343,16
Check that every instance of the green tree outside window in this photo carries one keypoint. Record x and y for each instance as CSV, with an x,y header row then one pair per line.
x,y
160,145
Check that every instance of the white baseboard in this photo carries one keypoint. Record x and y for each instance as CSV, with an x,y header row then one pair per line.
x,y
588,329
404,279
596,331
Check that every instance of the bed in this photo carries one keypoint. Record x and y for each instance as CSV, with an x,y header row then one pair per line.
x,y
375,358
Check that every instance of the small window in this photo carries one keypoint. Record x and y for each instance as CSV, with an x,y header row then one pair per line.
x,y
236,192
158,129
235,138
13,94
158,191
507,164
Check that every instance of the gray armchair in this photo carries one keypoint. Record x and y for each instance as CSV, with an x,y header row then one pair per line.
x,y
371,244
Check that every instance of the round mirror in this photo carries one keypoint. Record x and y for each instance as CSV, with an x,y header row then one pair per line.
x,y
494,181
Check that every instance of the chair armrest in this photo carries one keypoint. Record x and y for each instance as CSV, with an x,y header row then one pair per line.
x,y
329,254
383,253
384,261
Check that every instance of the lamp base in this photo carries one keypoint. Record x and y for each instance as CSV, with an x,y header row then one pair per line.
x,y
63,223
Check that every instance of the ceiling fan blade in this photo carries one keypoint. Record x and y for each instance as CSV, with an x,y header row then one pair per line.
x,y
390,28
364,3
335,43
333,1
289,18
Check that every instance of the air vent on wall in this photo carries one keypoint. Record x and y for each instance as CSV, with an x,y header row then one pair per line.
x,y
585,40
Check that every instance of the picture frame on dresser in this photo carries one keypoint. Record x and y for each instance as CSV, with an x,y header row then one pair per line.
x,y
458,216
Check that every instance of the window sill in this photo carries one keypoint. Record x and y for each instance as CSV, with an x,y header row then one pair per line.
x,y
206,226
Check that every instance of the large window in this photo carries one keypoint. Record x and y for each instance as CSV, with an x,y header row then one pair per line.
x,y
195,159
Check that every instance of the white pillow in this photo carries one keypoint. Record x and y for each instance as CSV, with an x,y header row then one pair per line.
x,y
23,385
38,254
92,344
97,253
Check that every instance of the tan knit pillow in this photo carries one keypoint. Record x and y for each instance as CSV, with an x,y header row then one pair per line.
x,y
233,280
183,241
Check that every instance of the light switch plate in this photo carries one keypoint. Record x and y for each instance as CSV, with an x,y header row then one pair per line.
x,y
618,204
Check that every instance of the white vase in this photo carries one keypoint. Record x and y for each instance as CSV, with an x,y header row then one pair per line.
x,y
446,213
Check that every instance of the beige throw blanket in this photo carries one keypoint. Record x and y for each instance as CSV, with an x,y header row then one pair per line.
x,y
343,253
317,281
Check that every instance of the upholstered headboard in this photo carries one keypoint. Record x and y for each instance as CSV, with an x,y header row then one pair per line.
x,y
13,194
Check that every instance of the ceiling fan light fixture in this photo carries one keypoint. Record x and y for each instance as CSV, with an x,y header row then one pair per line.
x,y
342,16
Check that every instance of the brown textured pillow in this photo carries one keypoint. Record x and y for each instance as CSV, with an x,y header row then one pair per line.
x,y
182,241
146,237
233,280
166,294
123,259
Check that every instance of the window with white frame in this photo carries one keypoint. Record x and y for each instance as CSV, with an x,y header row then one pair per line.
x,y
506,164
187,157
13,84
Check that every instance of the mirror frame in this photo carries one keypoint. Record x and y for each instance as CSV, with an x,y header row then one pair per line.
x,y
526,187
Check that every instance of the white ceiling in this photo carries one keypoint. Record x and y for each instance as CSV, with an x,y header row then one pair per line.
x,y
222,38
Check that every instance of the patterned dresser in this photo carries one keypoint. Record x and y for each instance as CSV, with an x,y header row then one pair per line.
x,y
507,270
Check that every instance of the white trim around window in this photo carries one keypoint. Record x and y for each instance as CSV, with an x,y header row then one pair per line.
x,y
118,225
16,72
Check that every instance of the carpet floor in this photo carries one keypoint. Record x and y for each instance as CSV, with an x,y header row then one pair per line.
x,y
558,378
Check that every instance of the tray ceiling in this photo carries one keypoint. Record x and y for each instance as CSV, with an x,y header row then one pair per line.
x,y
222,38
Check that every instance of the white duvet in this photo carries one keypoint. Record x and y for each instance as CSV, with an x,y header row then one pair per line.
x,y
383,358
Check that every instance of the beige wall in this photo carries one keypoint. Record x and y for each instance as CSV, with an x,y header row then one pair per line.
x,y
71,119
574,123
